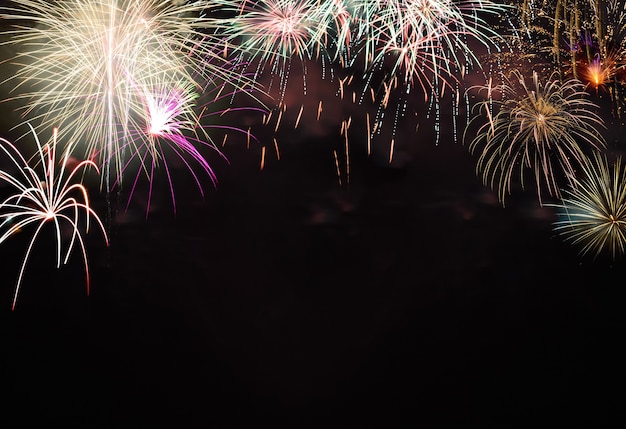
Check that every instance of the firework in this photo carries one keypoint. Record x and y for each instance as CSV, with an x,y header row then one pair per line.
x,y
541,127
419,44
429,34
593,211
270,34
172,125
81,63
335,28
51,199
598,73
273,29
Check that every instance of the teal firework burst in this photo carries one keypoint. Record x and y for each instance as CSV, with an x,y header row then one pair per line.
x,y
592,214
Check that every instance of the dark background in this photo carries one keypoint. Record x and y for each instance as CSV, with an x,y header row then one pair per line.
x,y
408,296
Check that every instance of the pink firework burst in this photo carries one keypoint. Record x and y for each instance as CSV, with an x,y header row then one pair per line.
x,y
171,129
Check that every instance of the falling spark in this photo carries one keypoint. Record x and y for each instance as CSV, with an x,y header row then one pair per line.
x,y
280,117
337,166
369,134
299,116
276,149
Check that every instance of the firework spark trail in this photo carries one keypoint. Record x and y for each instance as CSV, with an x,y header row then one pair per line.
x,y
172,125
81,62
592,214
545,127
336,31
418,45
424,33
271,33
46,199
168,116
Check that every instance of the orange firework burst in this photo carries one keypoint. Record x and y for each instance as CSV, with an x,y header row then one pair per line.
x,y
599,72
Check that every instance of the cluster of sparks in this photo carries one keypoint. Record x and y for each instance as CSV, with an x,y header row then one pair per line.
x,y
130,83
92,68
593,213
50,197
532,124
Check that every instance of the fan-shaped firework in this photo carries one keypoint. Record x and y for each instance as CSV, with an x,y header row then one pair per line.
x,y
83,60
171,125
593,211
598,73
52,198
543,127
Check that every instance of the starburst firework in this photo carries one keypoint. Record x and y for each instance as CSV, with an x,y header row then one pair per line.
x,y
542,127
593,211
50,199
269,34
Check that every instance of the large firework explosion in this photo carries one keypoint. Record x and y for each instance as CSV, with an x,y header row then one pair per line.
x,y
84,66
547,128
423,46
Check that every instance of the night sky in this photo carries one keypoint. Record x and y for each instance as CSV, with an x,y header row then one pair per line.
x,y
407,296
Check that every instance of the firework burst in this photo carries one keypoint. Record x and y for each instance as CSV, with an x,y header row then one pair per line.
x,y
81,63
541,127
171,125
269,34
429,37
52,198
593,211
598,73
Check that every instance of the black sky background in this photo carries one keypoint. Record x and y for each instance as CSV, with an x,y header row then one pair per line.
x,y
406,297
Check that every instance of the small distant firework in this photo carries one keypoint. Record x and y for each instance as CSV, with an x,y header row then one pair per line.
x,y
598,73
544,127
270,33
80,62
593,211
272,29
50,199
605,74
